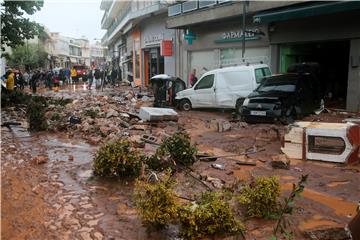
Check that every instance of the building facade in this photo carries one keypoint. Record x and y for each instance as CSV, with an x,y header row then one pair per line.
x,y
136,33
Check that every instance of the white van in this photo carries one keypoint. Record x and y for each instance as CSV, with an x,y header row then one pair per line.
x,y
223,88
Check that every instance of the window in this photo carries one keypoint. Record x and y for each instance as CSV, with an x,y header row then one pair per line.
x,y
260,73
205,82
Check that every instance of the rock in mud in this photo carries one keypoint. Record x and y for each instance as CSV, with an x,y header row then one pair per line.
x,y
40,160
112,113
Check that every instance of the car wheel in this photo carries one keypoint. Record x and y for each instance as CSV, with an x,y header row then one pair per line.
x,y
185,105
288,117
238,105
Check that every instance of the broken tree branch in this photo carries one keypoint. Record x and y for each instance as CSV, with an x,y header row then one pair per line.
x,y
232,155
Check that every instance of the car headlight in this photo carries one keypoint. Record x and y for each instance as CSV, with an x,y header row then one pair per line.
x,y
246,102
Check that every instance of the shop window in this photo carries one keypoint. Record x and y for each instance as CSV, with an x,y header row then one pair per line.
x,y
326,145
205,82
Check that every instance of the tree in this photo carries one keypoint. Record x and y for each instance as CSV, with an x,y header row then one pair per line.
x,y
15,28
29,56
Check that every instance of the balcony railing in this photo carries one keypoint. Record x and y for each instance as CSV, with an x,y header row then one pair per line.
x,y
192,5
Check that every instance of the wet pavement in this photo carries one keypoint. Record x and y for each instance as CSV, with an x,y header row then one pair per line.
x,y
60,199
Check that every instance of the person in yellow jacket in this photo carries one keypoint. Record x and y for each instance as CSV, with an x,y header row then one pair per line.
x,y
10,81
73,75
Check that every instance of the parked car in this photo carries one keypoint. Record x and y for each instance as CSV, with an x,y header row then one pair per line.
x,y
165,88
283,97
223,88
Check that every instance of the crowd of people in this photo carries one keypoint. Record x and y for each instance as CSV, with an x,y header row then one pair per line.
x,y
56,77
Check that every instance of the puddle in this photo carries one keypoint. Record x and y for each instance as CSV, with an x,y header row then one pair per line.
x,y
337,183
340,206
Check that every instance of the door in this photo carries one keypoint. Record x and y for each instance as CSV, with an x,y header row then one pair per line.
x,y
204,92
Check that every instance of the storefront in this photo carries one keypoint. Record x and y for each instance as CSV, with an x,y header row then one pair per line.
x,y
328,36
220,45
154,60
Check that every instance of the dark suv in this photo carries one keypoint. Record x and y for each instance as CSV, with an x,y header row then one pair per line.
x,y
282,97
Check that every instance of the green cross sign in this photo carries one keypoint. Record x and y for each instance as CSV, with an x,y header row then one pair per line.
x,y
189,36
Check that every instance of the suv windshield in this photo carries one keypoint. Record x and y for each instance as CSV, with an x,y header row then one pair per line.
x,y
279,83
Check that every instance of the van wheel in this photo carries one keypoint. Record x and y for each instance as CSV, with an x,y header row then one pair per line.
x,y
238,105
185,105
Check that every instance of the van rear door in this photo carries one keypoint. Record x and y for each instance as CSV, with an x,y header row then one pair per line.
x,y
204,92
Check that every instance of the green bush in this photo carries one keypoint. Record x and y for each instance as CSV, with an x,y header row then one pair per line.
x,y
156,203
260,197
179,148
209,216
35,114
93,113
117,159
14,98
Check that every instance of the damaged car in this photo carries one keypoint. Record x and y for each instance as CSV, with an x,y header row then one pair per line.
x,y
283,98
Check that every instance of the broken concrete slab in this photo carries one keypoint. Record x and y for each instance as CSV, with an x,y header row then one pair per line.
x,y
158,114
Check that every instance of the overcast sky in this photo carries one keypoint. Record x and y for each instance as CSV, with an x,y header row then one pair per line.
x,y
73,18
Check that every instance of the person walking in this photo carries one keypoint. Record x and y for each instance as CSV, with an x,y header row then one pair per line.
x,y
67,75
193,79
73,75
90,78
114,75
33,81
10,81
97,76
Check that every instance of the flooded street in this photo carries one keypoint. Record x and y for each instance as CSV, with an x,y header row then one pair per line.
x,y
49,191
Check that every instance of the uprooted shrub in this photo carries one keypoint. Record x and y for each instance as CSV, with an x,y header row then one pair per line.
x,y
176,148
117,159
209,216
156,203
35,113
260,198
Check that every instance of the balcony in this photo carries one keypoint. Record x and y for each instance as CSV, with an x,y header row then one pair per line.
x,y
106,20
105,4
133,11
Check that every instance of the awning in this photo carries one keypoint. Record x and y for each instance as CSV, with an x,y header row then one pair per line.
x,y
294,12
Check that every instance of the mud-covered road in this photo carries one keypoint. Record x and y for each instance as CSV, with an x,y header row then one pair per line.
x,y
60,199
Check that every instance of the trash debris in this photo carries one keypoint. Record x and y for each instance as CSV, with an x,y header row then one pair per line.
x,y
218,166
281,164
112,113
75,120
217,183
158,114
71,158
